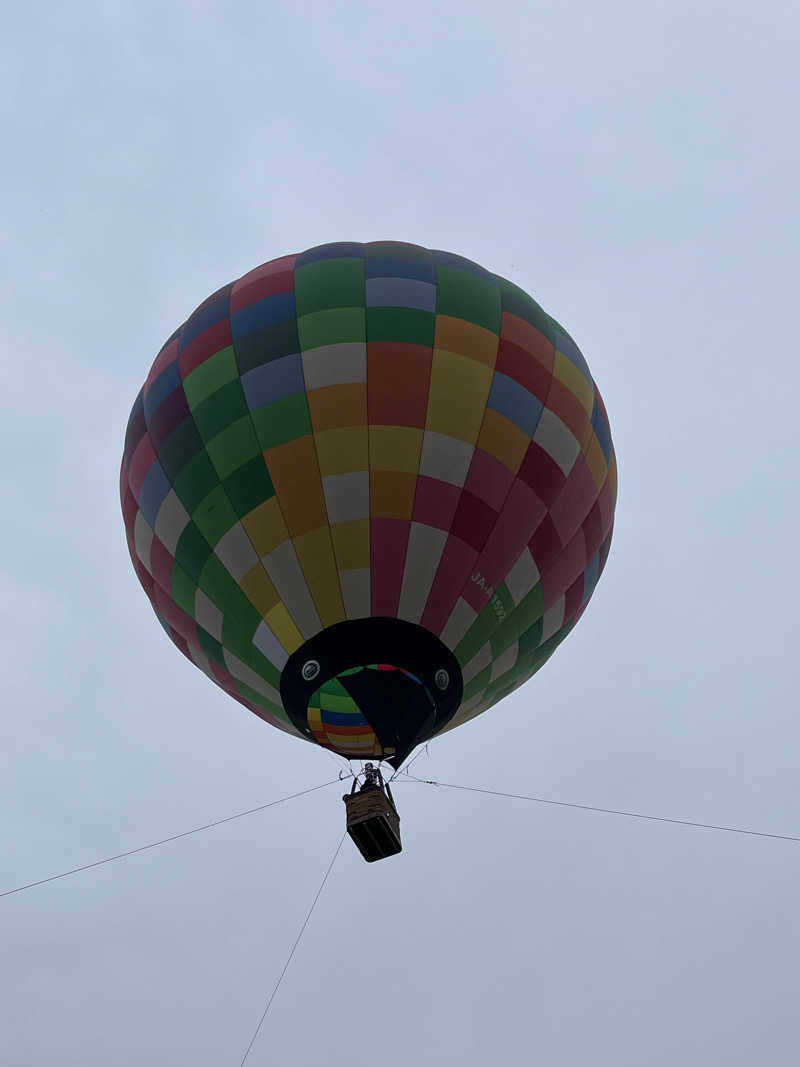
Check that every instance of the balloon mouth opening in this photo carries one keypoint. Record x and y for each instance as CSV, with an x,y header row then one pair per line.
x,y
340,710
371,688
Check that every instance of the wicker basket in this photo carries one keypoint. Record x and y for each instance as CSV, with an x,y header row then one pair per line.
x,y
373,823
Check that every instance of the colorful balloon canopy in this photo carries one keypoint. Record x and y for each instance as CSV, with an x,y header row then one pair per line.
x,y
368,490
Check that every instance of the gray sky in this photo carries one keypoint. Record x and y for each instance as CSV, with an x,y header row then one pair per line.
x,y
635,167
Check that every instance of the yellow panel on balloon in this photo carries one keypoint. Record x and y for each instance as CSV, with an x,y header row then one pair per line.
x,y
454,376
315,552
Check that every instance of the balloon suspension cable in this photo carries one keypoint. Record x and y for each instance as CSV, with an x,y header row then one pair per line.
x,y
406,777
167,840
424,751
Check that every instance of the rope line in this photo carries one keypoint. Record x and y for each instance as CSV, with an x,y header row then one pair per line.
x,y
608,811
166,840
422,752
276,987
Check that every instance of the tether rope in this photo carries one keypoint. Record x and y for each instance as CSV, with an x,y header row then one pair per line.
x,y
605,811
166,840
276,987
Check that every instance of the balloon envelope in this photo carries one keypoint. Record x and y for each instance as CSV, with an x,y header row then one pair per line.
x,y
368,490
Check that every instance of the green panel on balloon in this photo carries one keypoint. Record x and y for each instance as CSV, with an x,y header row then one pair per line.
x,y
217,371
183,444
233,447
331,283
267,344
464,295
219,410
249,485
333,327
399,324
195,481
281,422
192,551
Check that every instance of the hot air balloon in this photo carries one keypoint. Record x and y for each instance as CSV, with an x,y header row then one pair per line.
x,y
369,489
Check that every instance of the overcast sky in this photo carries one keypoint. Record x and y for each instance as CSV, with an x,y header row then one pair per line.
x,y
634,166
